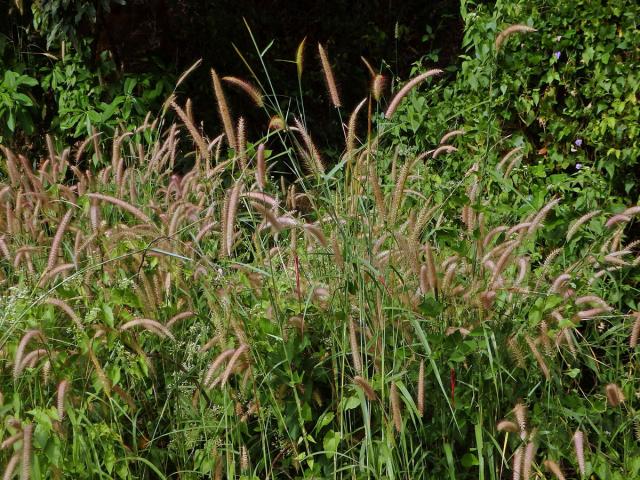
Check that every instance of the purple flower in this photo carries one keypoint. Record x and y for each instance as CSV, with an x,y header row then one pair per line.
x,y
578,166
557,55
578,142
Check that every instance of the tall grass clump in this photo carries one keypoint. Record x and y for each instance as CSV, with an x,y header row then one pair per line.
x,y
356,318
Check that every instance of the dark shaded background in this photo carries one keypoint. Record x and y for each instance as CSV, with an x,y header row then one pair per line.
x,y
146,33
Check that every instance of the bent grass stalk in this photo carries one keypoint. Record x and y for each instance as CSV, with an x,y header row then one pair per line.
x,y
10,469
136,212
223,109
312,156
152,326
300,58
554,468
61,394
193,131
509,31
366,387
351,130
222,380
252,92
404,91
57,239
18,360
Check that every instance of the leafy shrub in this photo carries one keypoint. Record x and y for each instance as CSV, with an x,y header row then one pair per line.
x,y
15,105
567,93
75,94
61,20
85,102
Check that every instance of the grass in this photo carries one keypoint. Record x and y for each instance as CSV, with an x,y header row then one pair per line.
x,y
343,321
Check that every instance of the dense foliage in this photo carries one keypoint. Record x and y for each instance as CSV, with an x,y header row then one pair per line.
x,y
452,294
566,94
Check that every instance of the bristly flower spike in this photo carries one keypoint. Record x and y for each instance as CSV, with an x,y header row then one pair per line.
x,y
329,78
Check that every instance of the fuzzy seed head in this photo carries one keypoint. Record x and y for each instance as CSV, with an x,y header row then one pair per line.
x,y
395,407
329,78
378,86
614,395
578,443
507,32
253,93
554,468
395,102
507,426
366,387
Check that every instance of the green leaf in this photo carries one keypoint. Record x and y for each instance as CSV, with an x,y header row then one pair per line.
x,y
330,443
588,54
430,307
11,122
448,452
10,79
108,315
23,99
129,84
28,81
351,402
469,460
324,420
41,436
573,373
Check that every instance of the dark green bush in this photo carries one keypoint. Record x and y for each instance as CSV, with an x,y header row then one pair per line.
x,y
567,93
